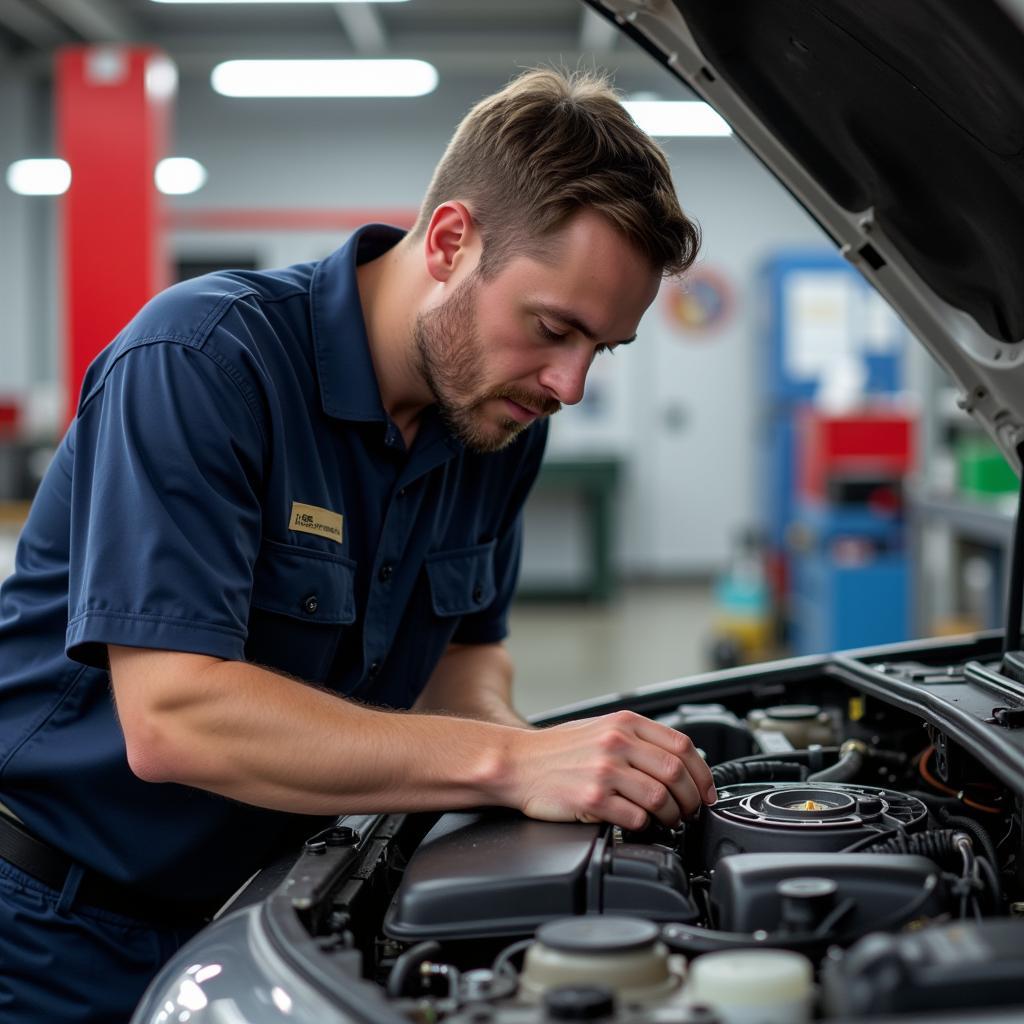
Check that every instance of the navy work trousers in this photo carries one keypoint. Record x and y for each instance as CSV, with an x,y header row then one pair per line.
x,y
60,962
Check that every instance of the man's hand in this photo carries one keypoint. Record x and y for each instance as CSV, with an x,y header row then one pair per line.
x,y
617,768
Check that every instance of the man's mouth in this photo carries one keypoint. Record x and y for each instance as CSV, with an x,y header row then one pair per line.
x,y
520,413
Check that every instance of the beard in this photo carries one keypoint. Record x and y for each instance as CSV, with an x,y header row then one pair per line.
x,y
449,355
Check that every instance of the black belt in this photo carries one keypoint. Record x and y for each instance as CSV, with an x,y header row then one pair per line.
x,y
51,867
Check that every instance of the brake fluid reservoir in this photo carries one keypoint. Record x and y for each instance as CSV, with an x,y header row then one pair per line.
x,y
753,986
623,954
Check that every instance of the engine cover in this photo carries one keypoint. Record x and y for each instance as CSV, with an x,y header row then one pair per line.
x,y
497,874
779,817
760,891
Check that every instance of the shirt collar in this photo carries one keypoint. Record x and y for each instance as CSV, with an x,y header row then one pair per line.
x,y
348,384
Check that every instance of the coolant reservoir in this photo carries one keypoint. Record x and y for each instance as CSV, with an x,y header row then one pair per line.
x,y
753,986
623,954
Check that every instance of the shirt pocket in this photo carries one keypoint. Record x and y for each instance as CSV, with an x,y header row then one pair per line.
x,y
461,581
302,602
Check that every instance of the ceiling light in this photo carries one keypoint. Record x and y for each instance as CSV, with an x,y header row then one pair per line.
x,y
277,1
39,177
179,175
666,118
324,78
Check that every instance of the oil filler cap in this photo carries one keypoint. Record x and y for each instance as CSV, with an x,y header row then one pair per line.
x,y
579,1002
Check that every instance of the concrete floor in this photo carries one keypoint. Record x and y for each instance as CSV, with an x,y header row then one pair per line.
x,y
569,652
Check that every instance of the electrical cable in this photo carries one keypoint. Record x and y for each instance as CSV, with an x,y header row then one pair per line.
x,y
992,876
922,767
984,841
868,841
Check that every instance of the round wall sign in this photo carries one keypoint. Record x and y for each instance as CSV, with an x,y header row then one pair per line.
x,y
700,303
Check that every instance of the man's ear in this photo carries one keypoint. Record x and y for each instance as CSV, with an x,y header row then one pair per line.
x,y
451,243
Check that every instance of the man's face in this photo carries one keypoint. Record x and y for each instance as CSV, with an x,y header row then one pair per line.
x,y
500,353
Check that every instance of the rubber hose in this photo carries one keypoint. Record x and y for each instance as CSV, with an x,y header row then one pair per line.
x,y
794,756
846,769
407,964
731,773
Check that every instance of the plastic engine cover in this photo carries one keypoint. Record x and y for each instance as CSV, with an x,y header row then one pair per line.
x,y
497,874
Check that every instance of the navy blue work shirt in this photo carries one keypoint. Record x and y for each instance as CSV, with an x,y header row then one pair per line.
x,y
232,486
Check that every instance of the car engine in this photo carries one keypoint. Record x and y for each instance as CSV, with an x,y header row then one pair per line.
x,y
837,876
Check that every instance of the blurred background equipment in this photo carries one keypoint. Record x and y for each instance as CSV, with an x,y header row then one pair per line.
x,y
696,508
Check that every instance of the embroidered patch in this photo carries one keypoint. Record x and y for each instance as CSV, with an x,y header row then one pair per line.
x,y
321,522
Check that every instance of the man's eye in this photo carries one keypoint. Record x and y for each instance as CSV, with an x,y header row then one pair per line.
x,y
545,332
602,349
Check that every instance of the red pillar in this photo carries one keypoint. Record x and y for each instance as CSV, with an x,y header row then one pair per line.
x,y
113,107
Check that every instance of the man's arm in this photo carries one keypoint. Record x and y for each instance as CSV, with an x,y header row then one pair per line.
x,y
473,681
252,735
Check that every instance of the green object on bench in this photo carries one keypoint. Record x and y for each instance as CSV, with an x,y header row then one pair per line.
x,y
596,479
981,469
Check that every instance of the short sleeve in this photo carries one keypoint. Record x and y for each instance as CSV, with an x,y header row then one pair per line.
x,y
165,516
491,623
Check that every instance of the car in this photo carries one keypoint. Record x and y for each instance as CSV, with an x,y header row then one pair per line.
x,y
865,857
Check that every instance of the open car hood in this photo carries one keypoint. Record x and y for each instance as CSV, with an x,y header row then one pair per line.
x,y
900,128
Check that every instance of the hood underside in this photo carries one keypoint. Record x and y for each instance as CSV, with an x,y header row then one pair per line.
x,y
900,127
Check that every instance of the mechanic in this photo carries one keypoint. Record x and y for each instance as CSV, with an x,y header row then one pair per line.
x,y
265,580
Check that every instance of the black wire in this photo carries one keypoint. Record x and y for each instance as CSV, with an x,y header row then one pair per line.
x,y
868,841
1015,597
984,841
992,877
900,915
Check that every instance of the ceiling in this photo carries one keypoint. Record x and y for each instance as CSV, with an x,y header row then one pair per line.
x,y
461,37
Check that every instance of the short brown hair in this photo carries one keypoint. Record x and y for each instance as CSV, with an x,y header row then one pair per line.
x,y
548,145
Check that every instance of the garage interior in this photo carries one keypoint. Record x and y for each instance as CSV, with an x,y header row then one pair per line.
x,y
775,468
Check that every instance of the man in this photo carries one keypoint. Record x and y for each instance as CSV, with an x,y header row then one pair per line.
x,y
289,508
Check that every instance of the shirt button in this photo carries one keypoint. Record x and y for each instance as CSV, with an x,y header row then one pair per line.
x,y
386,572
478,593
401,492
374,670
310,604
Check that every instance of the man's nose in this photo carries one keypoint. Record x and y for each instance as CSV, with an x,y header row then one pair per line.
x,y
565,375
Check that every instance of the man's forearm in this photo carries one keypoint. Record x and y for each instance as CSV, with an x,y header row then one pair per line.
x,y
261,738
473,681
249,734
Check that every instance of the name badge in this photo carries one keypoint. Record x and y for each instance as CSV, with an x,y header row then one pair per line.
x,y
321,522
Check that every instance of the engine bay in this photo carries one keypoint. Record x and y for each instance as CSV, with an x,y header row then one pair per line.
x,y
860,861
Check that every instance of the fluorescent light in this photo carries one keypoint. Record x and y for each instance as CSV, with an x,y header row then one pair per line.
x,y
277,1
39,177
324,78
179,175
666,118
